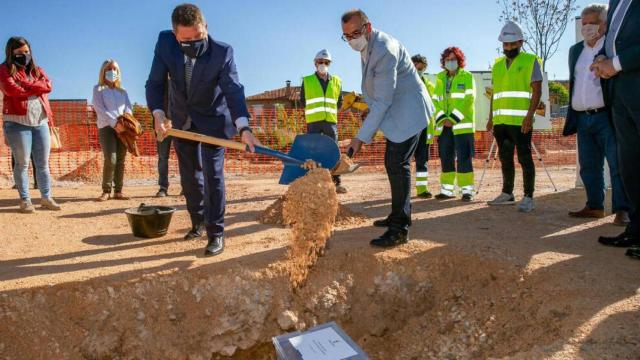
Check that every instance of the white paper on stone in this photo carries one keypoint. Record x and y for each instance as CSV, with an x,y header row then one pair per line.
x,y
325,344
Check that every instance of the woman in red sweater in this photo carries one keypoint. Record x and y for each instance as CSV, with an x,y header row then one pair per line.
x,y
26,120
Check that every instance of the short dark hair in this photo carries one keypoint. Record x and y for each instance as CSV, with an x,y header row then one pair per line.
x,y
417,58
346,17
187,15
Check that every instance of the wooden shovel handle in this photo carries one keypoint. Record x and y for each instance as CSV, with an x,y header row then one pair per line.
x,y
188,135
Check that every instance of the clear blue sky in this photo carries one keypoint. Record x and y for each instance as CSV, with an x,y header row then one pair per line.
x,y
274,40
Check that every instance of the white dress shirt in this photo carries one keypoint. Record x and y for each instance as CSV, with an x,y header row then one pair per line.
x,y
587,91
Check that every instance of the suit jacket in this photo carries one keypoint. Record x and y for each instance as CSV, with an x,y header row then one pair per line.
x,y
216,97
398,101
571,122
626,84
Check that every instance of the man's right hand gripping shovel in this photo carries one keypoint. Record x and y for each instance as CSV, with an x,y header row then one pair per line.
x,y
161,124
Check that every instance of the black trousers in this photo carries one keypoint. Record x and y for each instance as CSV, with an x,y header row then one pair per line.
x,y
422,152
328,129
626,121
397,162
509,137
456,147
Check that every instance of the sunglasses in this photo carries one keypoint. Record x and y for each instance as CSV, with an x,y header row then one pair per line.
x,y
323,62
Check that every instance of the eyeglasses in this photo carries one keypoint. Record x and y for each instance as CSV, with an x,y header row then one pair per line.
x,y
323,62
354,35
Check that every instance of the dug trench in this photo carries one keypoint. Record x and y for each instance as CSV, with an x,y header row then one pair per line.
x,y
422,300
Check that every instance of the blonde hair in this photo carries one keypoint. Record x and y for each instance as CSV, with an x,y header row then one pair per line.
x,y
103,70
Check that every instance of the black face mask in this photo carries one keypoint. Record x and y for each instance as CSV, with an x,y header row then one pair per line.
x,y
21,60
511,54
194,48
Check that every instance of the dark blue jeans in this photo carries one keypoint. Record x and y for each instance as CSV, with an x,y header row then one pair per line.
x,y
597,141
397,162
164,148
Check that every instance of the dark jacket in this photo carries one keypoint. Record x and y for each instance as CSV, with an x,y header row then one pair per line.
x,y
625,84
216,98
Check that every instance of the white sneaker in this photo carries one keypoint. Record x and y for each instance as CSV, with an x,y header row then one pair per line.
x,y
26,206
50,204
503,199
526,205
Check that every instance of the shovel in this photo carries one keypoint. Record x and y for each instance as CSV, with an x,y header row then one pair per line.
x,y
319,148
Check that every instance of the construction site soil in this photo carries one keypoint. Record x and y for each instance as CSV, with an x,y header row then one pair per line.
x,y
473,282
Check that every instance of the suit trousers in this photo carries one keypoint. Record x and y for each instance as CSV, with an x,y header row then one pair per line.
x,y
397,162
626,121
202,178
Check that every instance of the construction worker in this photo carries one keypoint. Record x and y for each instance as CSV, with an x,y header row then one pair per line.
x,y
455,125
426,136
321,96
517,89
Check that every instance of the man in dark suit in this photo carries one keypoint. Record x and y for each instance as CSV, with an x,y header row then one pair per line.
x,y
619,62
589,117
206,97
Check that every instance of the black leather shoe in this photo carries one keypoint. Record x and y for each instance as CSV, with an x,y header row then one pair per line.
x,y
622,240
391,238
381,223
215,246
195,232
634,252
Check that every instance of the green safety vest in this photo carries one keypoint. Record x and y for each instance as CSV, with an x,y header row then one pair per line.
x,y
321,106
431,128
512,89
458,106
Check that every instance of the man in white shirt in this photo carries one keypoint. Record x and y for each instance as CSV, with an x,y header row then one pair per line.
x,y
596,137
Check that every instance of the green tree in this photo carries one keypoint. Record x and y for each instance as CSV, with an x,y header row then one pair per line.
x,y
559,93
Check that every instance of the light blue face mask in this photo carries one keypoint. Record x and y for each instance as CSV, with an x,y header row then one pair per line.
x,y
111,75
451,65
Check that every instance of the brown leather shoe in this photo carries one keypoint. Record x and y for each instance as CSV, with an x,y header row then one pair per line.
x,y
104,197
120,196
587,212
622,218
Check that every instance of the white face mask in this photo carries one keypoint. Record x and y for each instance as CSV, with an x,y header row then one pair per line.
x,y
323,69
358,44
590,31
111,75
451,65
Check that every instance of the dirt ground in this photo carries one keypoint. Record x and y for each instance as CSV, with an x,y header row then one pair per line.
x,y
473,282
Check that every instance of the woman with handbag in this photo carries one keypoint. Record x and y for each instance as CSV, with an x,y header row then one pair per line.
x,y
110,101
27,120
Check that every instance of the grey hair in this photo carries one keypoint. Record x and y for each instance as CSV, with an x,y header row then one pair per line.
x,y
597,9
346,17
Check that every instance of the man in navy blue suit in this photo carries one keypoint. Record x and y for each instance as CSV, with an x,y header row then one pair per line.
x,y
206,97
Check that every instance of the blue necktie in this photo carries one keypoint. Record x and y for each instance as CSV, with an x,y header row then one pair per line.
x,y
188,72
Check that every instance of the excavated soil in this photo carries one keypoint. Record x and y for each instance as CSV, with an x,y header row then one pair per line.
x,y
310,207
473,283
273,215
91,170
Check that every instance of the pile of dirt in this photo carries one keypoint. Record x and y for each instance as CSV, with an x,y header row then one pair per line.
x,y
273,215
343,165
89,171
311,206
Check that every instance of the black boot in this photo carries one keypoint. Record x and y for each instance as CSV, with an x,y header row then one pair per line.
x,y
195,232
215,246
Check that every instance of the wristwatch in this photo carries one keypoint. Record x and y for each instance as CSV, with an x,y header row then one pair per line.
x,y
243,129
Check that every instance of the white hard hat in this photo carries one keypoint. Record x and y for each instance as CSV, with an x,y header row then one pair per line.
x,y
323,54
511,32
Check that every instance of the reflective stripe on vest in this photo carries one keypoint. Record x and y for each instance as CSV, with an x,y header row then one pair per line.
x,y
458,103
512,89
321,105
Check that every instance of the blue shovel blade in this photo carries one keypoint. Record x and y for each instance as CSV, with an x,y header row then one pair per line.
x,y
319,148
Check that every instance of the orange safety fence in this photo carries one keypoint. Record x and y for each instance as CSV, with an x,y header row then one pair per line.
x,y
81,158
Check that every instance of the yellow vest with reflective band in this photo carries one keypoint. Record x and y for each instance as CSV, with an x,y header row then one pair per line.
x,y
320,105
459,105
431,128
512,89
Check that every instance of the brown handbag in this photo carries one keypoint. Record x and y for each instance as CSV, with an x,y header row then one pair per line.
x,y
54,134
